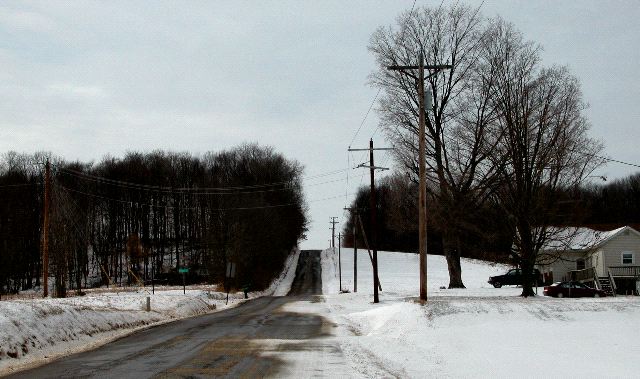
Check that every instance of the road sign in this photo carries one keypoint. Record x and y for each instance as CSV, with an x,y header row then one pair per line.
x,y
231,270
183,270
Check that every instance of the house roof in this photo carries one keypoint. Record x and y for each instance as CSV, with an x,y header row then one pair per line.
x,y
579,239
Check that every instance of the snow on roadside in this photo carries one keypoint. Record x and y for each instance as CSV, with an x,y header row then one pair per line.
x,y
282,285
480,331
41,329
329,260
38,330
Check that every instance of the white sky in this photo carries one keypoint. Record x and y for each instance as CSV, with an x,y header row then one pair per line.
x,y
86,79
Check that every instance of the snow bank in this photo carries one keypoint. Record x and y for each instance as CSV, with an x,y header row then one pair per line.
x,y
33,330
282,285
480,331
329,259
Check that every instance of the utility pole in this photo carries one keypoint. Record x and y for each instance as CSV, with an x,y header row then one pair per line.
x,y
354,217
422,197
333,223
339,261
366,244
45,227
372,206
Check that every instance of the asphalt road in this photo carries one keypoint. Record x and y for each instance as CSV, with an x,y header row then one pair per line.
x,y
257,339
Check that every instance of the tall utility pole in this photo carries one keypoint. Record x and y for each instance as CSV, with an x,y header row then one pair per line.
x,y
422,196
45,230
333,223
372,206
374,229
339,261
354,216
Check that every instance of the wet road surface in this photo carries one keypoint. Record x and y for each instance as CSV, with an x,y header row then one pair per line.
x,y
265,337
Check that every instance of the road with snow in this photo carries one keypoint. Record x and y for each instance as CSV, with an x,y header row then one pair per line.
x,y
258,338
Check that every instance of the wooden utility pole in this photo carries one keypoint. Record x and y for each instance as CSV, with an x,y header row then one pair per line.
x,y
355,259
354,217
339,261
45,230
422,196
372,212
333,223
366,244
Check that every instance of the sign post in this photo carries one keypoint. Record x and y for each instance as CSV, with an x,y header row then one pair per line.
x,y
153,269
183,271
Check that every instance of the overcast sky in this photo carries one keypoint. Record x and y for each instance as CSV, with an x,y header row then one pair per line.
x,y
86,79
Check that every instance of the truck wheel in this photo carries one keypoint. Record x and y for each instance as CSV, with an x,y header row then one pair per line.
x,y
497,284
596,295
560,295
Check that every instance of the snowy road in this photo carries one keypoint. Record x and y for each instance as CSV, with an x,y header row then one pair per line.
x,y
263,337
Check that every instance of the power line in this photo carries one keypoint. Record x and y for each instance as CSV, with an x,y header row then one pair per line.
x,y
194,190
194,208
375,98
18,185
164,188
365,117
609,159
190,189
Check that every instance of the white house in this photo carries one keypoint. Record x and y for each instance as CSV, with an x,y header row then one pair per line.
x,y
606,258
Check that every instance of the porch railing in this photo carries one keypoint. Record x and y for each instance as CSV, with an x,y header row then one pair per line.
x,y
626,271
614,288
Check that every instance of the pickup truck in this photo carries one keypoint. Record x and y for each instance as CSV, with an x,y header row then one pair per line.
x,y
512,277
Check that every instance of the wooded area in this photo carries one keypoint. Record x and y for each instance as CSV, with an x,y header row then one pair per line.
x,y
141,217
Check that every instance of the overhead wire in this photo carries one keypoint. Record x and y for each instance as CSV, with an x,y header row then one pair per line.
x,y
196,190
375,98
168,189
18,185
193,208
365,117
367,114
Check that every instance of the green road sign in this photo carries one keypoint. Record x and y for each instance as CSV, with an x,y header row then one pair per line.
x,y
183,270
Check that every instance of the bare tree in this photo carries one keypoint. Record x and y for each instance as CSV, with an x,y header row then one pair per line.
x,y
459,122
544,148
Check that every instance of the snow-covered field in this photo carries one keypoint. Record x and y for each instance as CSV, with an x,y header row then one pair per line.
x,y
35,331
480,331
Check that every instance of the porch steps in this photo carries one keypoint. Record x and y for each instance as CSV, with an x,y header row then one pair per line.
x,y
605,285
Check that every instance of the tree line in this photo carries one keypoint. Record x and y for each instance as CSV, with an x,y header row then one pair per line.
x,y
505,133
600,206
143,216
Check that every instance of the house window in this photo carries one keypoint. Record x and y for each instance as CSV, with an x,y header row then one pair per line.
x,y
627,258
580,264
